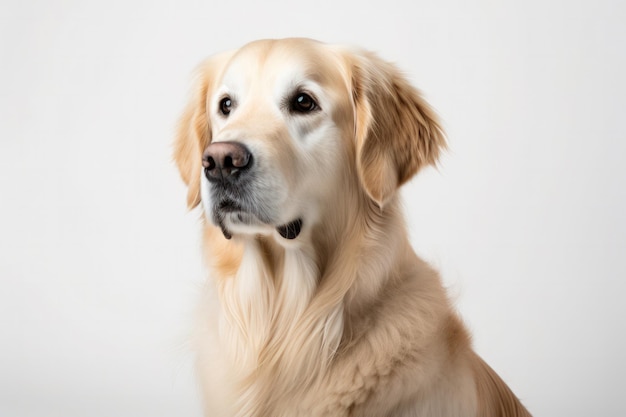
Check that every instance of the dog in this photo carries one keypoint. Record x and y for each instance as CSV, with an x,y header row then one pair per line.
x,y
316,304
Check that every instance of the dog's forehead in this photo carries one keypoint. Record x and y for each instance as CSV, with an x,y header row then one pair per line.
x,y
284,62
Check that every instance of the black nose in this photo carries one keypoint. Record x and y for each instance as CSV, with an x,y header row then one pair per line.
x,y
225,160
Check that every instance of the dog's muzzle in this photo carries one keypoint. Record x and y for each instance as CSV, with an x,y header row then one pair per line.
x,y
227,166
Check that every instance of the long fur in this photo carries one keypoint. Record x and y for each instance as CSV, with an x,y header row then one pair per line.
x,y
345,320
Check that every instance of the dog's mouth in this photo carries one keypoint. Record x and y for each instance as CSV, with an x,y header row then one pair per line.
x,y
229,206
290,230
228,211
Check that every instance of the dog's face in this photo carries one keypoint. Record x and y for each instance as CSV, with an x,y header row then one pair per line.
x,y
276,127
276,116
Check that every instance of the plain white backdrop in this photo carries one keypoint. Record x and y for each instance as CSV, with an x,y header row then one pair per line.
x,y
100,262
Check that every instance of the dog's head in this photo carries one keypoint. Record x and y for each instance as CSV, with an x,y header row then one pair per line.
x,y
275,127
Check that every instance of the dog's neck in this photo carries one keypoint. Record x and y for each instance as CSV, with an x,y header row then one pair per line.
x,y
264,299
284,307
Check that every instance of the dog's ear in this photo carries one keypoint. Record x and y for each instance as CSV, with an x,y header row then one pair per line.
x,y
194,130
397,132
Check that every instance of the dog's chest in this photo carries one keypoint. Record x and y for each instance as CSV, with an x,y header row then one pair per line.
x,y
257,354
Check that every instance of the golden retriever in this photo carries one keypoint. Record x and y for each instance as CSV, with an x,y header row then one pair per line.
x,y
316,303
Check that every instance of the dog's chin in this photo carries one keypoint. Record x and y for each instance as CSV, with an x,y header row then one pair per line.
x,y
235,221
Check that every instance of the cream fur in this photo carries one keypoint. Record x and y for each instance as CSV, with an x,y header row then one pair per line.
x,y
344,320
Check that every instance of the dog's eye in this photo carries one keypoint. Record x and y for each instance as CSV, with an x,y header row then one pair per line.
x,y
303,103
225,105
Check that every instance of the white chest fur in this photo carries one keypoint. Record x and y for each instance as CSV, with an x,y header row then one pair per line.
x,y
265,336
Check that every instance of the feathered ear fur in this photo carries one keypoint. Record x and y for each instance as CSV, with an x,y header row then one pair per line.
x,y
397,132
194,130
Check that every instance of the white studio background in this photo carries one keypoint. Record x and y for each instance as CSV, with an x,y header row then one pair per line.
x,y
99,260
